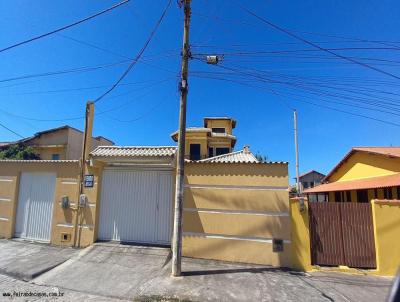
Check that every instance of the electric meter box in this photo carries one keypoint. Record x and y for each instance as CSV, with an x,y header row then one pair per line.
x,y
82,200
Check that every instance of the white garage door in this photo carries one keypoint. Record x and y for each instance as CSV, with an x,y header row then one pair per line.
x,y
35,206
136,206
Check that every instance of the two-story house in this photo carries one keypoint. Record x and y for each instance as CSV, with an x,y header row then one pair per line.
x,y
59,143
214,138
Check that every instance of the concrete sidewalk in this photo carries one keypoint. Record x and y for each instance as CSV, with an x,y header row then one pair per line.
x,y
25,260
127,272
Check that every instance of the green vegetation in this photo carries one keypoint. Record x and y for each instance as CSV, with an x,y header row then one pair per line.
x,y
261,158
18,151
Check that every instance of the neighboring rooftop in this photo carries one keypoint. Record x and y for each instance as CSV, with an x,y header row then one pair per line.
x,y
134,151
388,151
38,134
359,184
310,172
385,151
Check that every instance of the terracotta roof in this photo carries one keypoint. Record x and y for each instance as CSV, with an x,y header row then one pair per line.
x,y
359,184
134,151
389,151
386,151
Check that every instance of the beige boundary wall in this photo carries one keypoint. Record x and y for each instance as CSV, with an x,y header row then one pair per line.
x,y
63,220
386,218
233,212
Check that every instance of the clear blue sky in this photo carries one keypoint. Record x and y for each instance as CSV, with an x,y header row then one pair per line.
x,y
148,102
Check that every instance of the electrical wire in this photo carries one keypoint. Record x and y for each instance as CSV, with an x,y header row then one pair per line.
x,y
138,56
64,27
315,104
317,46
80,117
10,130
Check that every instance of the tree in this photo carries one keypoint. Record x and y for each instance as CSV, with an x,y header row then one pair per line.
x,y
18,151
261,158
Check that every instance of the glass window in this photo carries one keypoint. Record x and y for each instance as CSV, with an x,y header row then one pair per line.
x,y
387,193
220,151
362,196
210,152
55,156
194,151
348,196
218,130
398,193
338,196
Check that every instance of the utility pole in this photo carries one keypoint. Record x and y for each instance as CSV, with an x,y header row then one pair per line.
x,y
86,147
179,186
296,145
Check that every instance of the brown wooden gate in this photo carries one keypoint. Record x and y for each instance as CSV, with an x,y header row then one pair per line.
x,y
342,234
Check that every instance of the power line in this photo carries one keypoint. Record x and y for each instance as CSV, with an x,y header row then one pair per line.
x,y
317,46
308,102
105,50
65,27
74,118
138,56
12,131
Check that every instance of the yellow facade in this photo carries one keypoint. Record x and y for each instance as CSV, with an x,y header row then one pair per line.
x,y
233,212
386,216
64,220
209,138
363,165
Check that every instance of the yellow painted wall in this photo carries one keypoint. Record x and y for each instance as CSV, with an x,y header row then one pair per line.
x,y
386,216
227,124
66,185
300,235
231,200
196,138
46,153
363,165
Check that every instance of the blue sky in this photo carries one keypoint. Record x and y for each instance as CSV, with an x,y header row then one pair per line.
x,y
146,105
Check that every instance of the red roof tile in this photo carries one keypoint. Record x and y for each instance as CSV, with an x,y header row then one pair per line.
x,y
359,184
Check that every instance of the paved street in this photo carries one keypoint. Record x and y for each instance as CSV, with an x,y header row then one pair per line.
x,y
107,272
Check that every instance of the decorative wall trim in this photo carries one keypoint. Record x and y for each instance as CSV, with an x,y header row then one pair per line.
x,y
237,212
69,182
6,180
65,225
234,187
230,237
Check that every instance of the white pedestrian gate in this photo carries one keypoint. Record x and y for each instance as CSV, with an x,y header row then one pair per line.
x,y
136,206
35,206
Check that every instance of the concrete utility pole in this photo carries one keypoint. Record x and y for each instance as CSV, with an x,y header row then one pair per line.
x,y
297,152
86,147
177,233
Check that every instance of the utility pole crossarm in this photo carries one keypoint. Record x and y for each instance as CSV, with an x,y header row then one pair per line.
x,y
177,231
